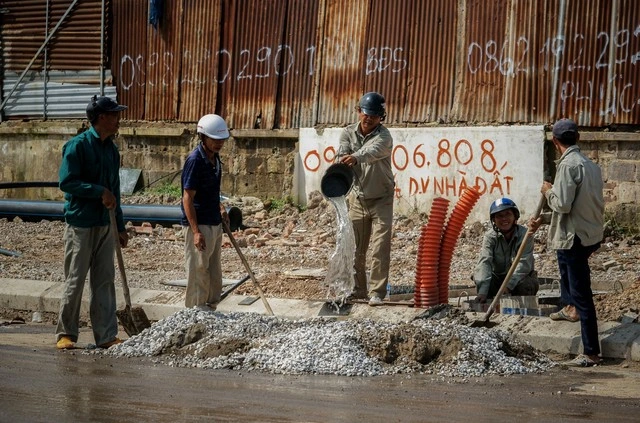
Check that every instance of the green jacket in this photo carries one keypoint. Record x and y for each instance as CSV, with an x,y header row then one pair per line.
x,y
88,167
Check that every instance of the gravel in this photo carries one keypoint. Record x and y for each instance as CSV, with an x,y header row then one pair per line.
x,y
251,342
288,250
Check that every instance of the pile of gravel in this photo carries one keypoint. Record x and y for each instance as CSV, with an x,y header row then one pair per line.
x,y
249,342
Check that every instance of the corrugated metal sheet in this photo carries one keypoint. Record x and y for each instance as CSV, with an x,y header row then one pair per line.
x,y
297,65
386,56
583,65
480,93
164,51
343,52
129,55
23,32
431,63
198,83
251,86
65,95
627,62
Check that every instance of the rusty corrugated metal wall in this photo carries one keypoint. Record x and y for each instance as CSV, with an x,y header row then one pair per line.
x,y
130,55
67,72
295,63
23,32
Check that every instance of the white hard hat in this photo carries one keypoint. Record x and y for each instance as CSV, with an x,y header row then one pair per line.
x,y
213,126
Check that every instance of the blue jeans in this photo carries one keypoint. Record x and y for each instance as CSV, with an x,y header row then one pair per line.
x,y
575,289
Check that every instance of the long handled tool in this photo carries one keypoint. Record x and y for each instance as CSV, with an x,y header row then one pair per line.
x,y
133,319
485,321
246,266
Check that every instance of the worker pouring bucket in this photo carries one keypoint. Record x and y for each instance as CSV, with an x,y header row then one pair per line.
x,y
337,180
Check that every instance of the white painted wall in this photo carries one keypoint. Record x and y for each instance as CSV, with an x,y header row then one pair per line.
x,y
503,161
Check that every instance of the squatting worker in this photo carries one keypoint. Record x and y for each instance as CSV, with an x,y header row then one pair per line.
x,y
202,214
90,178
575,232
366,147
500,245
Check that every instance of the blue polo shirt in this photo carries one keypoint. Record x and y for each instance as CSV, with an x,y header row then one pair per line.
x,y
204,176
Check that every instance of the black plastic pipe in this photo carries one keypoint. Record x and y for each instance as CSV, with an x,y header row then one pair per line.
x,y
34,210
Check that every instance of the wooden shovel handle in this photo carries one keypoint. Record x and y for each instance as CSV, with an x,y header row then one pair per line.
x,y
123,275
246,266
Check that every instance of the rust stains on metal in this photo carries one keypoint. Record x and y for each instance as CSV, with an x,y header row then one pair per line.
x,y
24,32
280,64
130,56
198,83
342,57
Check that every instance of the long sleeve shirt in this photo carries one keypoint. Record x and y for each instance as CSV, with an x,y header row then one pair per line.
x,y
497,255
373,175
88,166
576,201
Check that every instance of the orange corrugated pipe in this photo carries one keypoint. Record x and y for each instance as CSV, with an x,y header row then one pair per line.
x,y
452,229
426,290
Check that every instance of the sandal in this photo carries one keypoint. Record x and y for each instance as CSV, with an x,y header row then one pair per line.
x,y
583,361
563,315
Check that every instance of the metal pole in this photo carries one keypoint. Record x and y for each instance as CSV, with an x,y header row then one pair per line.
x,y
102,50
4,102
44,69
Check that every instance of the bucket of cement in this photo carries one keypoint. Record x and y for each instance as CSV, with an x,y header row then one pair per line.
x,y
337,180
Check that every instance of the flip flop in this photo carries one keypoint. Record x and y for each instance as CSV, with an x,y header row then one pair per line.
x,y
562,315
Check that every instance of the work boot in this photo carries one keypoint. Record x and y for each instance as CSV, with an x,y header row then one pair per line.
x,y
111,343
64,343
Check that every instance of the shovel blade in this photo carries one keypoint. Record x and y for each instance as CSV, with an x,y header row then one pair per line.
x,y
134,320
482,324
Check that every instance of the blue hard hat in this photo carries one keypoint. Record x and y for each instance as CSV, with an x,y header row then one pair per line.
x,y
503,204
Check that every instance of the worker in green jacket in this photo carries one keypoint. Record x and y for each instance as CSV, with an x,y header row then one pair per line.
x,y
89,176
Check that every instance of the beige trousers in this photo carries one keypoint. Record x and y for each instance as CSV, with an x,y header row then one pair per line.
x,y
204,270
372,224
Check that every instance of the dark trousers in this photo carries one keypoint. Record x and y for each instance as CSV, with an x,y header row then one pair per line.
x,y
575,289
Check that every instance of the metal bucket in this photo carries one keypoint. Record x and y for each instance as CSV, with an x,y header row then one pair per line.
x,y
337,180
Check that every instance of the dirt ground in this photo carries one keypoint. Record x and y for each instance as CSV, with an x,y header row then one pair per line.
x,y
288,250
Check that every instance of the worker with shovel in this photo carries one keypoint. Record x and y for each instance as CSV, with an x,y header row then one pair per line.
x,y
90,178
575,232
499,246
203,214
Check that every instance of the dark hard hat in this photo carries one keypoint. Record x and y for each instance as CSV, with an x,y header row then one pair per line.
x,y
99,104
503,204
373,104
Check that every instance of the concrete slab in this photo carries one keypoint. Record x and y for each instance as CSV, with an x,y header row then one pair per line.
x,y
617,339
634,350
23,294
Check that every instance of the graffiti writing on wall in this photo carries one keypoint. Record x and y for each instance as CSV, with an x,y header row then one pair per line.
x,y
262,62
441,162
570,55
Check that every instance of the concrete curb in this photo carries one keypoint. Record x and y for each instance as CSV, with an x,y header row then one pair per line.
x,y
617,340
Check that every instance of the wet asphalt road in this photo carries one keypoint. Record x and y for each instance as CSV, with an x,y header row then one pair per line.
x,y
40,384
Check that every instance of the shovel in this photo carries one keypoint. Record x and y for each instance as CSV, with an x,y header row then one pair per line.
x,y
133,319
246,266
485,321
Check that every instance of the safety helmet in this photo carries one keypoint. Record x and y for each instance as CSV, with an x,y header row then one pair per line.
x,y
373,104
213,126
503,204
100,104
